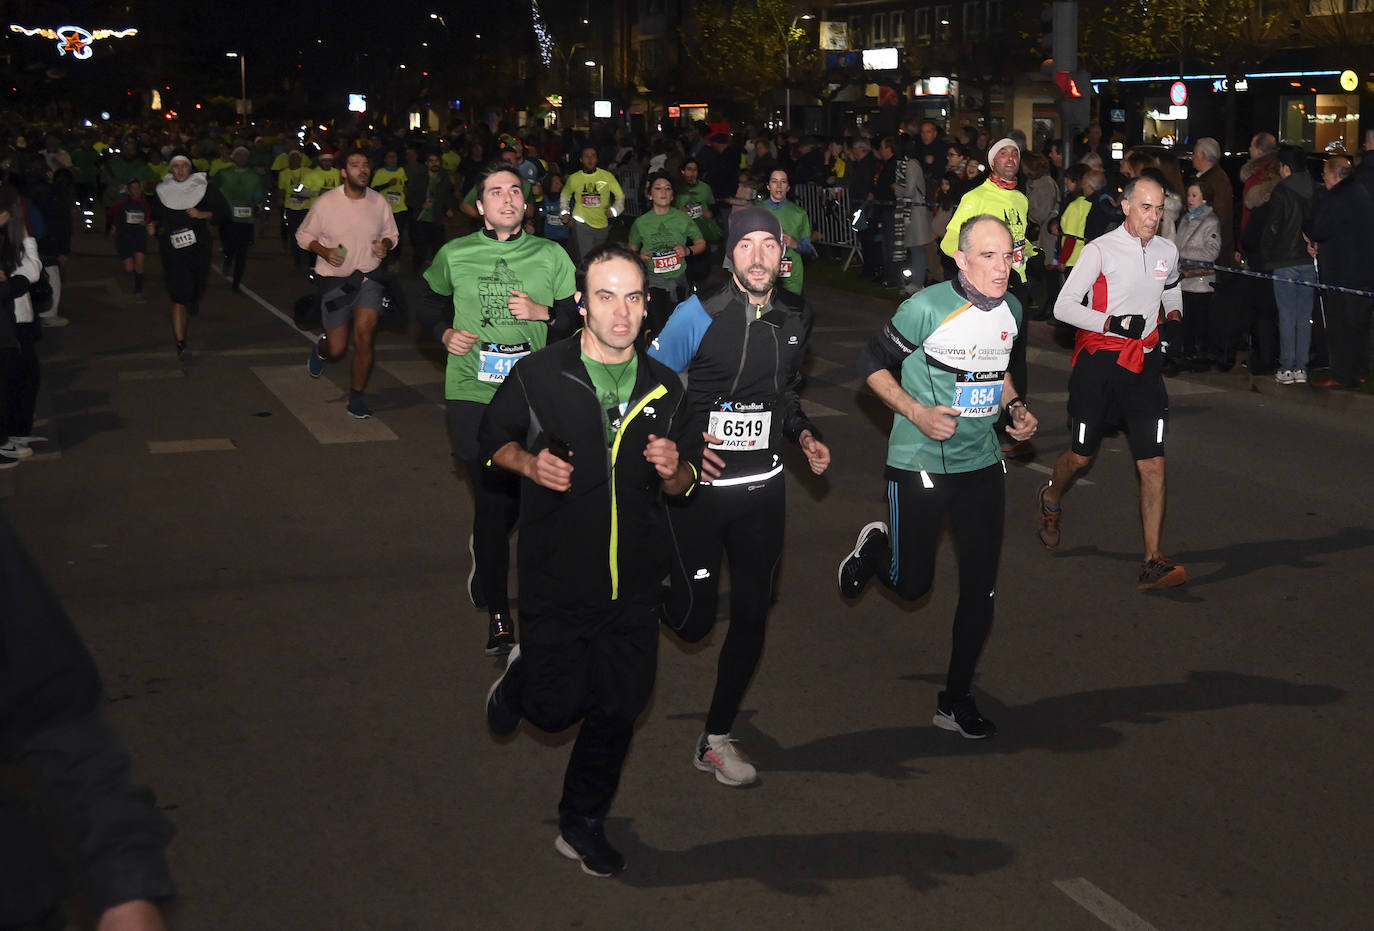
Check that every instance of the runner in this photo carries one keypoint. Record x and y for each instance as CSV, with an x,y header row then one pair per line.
x,y
949,346
664,238
796,229
131,217
598,432
741,349
351,231
591,198
1117,370
184,206
242,190
494,296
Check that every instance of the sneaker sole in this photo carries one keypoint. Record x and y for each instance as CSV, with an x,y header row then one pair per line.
x,y
858,545
1171,579
492,691
946,722
363,416
566,850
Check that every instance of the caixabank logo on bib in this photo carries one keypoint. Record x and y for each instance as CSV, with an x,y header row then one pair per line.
x,y
743,407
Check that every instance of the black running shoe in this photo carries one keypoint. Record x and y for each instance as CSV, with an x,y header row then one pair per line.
x,y
503,714
961,715
854,570
584,839
500,635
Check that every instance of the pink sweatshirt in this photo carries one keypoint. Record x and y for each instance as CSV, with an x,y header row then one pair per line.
x,y
336,219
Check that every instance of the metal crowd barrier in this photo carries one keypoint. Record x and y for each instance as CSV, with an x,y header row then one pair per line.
x,y
828,210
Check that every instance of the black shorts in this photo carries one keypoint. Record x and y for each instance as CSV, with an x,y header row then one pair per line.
x,y
1103,394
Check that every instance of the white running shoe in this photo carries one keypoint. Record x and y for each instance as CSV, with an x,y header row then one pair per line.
x,y
716,753
1284,376
13,450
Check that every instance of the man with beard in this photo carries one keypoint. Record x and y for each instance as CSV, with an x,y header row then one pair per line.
x,y
741,349
940,364
696,199
493,298
598,433
1118,366
184,205
351,230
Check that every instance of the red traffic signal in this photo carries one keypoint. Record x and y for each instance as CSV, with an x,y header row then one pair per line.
x,y
1067,85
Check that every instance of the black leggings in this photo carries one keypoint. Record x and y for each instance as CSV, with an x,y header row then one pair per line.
x,y
746,524
495,506
975,503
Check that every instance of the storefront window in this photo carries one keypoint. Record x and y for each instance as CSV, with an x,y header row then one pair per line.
x,y
1319,122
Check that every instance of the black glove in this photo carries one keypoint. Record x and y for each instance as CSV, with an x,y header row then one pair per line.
x,y
1131,326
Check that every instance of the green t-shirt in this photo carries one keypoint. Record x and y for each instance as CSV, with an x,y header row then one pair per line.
x,y
696,200
242,189
961,358
479,273
656,235
614,383
796,224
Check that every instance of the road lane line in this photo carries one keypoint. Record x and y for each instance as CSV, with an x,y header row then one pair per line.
x,y
319,405
289,321
1102,906
217,444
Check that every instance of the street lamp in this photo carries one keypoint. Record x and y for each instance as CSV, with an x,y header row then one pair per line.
x,y
787,61
243,85
602,75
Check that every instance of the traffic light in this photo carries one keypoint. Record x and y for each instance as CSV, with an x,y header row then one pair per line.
x,y
1068,85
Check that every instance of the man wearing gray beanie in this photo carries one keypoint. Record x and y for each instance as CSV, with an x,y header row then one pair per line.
x,y
741,348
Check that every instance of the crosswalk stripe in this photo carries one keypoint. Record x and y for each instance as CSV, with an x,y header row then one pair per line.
x,y
216,444
318,404
1102,906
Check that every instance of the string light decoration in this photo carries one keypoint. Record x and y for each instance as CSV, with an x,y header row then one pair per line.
x,y
74,40
542,34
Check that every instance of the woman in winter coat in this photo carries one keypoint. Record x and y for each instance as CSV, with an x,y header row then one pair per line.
x,y
1198,238
20,267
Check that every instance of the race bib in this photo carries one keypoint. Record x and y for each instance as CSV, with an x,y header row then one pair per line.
x,y
242,213
553,220
591,200
494,360
180,239
976,394
393,198
694,211
1018,253
295,200
740,425
785,269
134,217
666,262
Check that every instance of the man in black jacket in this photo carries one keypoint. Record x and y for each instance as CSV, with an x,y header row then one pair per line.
x,y
1341,233
598,432
1284,247
52,726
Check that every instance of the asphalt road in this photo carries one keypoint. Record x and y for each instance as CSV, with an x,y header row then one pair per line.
x,y
274,595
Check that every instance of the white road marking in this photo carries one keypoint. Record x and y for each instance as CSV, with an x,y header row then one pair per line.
x,y
411,374
217,444
319,405
1102,906
151,374
820,410
253,295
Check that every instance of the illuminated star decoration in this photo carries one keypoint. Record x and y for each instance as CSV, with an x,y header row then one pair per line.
x,y
74,39
542,34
